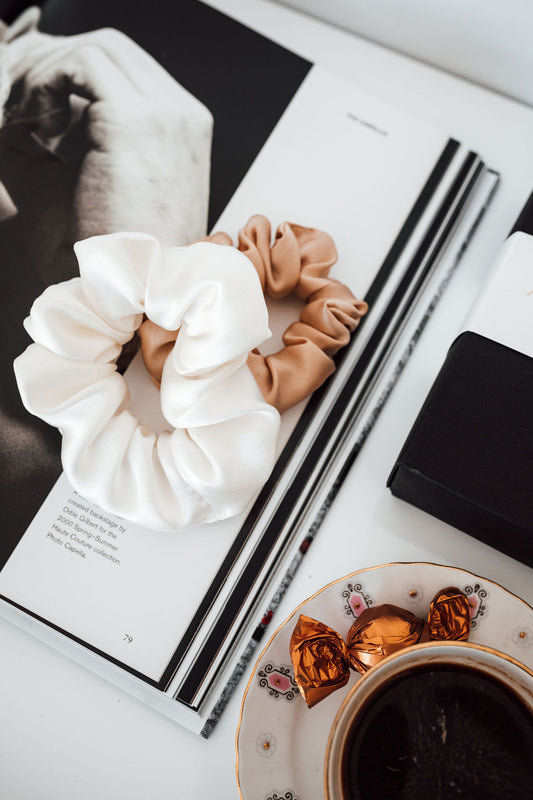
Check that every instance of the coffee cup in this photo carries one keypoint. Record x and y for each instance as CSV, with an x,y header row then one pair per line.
x,y
435,721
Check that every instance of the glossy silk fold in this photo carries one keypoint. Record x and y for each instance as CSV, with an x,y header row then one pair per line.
x,y
298,261
221,444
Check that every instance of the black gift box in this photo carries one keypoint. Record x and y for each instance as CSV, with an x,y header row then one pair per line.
x,y
468,459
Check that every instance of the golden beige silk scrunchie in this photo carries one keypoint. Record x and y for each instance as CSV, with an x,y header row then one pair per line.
x,y
299,261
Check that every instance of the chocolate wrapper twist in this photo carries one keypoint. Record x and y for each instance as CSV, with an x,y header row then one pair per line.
x,y
322,660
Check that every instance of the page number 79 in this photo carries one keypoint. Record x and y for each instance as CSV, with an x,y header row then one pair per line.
x,y
127,638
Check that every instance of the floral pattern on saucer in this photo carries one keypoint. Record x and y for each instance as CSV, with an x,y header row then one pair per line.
x,y
265,745
278,681
356,600
476,595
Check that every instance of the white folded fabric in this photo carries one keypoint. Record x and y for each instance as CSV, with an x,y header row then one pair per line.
x,y
221,444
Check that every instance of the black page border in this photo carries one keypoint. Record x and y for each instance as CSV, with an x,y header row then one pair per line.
x,y
190,686
312,406
275,527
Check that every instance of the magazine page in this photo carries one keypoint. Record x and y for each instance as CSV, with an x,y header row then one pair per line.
x,y
338,160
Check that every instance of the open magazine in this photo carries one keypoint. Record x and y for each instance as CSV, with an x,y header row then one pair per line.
x,y
173,616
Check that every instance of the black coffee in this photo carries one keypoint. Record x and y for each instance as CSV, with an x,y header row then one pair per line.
x,y
441,733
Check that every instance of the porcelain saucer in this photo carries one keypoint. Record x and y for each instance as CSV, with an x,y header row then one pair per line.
x,y
280,742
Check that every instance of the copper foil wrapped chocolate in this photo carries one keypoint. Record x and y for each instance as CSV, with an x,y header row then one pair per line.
x,y
381,631
322,660
449,616
319,659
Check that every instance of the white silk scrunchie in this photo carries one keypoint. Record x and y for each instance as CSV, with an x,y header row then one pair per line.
x,y
223,444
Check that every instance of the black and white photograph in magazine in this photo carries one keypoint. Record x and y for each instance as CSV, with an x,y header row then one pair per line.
x,y
98,137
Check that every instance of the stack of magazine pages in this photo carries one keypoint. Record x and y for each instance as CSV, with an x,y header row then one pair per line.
x,y
172,617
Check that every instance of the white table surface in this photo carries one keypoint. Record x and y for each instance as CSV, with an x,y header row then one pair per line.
x,y
67,734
